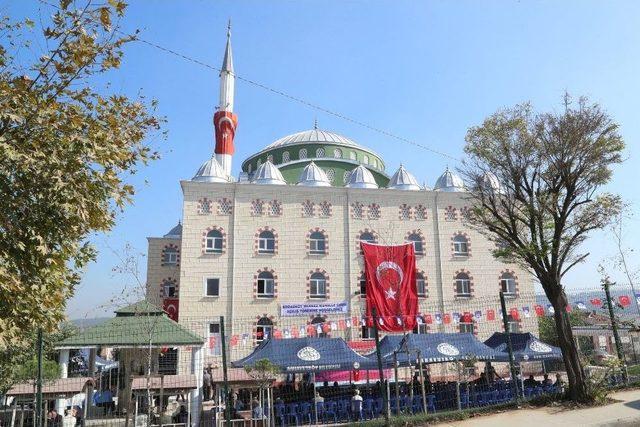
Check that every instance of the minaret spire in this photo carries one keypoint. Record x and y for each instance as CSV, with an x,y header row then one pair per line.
x,y
224,120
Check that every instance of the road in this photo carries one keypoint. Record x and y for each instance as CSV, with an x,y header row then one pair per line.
x,y
624,413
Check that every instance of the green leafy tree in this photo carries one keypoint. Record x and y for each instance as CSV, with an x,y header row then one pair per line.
x,y
535,181
67,154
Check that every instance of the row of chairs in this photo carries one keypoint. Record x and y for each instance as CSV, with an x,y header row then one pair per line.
x,y
346,410
486,398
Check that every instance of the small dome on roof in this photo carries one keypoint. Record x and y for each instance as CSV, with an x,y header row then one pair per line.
x,y
211,171
313,176
403,180
360,177
267,173
175,232
490,182
449,182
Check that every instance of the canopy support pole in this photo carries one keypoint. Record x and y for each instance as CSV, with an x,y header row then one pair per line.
x,y
383,394
512,365
422,389
395,374
228,407
315,404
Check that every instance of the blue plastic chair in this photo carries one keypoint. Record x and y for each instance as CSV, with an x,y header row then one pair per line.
x,y
343,409
406,403
280,413
464,400
495,397
293,413
305,412
379,406
320,411
416,405
431,403
368,410
538,391
331,410
356,410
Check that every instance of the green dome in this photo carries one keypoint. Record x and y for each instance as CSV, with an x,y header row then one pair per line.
x,y
337,155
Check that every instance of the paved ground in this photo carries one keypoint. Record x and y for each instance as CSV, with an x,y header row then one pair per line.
x,y
625,413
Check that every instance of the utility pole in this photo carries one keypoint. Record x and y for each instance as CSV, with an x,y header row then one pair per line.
x,y
228,405
614,327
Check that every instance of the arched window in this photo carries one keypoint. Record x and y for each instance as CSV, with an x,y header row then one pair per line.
x,y
285,157
362,282
270,158
214,241
266,242
317,286
317,243
331,175
508,284
375,162
337,153
169,288
418,246
170,256
249,168
365,160
264,327
318,323
367,236
421,285
320,152
302,154
466,324
266,285
463,285
460,245
353,155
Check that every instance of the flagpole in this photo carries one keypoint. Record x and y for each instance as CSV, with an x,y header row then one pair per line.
x,y
379,357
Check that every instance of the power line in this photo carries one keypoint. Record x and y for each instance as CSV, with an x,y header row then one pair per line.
x,y
285,95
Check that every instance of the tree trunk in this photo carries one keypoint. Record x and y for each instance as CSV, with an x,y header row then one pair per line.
x,y
575,372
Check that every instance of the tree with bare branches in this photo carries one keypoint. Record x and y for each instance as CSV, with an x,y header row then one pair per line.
x,y
536,181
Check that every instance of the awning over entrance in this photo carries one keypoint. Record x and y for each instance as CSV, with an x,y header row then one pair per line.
x,y
307,355
526,347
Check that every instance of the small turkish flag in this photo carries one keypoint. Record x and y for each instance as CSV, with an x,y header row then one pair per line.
x,y
491,314
624,300
447,318
428,319
539,310
596,301
233,341
515,315
391,290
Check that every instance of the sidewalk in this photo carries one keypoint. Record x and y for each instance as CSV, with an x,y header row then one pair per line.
x,y
622,414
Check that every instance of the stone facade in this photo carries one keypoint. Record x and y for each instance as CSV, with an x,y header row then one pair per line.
x,y
439,218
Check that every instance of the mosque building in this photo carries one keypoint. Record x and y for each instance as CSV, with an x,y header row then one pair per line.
x,y
276,249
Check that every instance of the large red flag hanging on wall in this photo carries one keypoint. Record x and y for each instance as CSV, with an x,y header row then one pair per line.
x,y
391,289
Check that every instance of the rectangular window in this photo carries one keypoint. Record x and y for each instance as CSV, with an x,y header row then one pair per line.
x,y
170,290
316,246
368,333
171,258
266,288
463,288
214,344
317,288
421,288
363,288
214,244
420,328
466,328
508,287
460,248
212,287
266,245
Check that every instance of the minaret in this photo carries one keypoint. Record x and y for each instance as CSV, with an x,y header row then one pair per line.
x,y
224,120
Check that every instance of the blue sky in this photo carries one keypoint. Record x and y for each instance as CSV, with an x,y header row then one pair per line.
x,y
424,70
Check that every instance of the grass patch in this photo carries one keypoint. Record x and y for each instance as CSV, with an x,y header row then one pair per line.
x,y
634,370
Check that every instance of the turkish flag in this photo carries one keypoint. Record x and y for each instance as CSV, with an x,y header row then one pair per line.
x,y
539,310
596,301
170,306
625,301
491,314
391,288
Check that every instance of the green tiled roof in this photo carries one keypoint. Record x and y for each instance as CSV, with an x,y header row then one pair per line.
x,y
139,324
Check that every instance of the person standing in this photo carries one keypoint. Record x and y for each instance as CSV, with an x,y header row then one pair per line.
x,y
206,385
